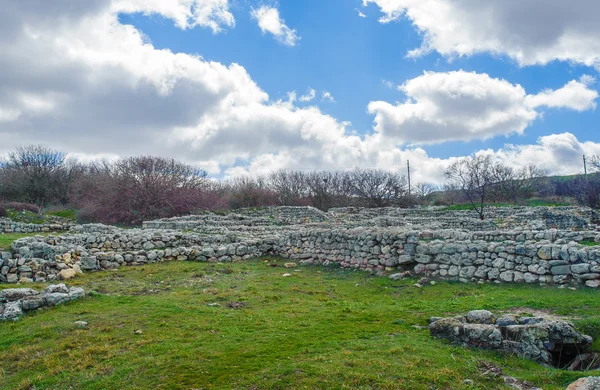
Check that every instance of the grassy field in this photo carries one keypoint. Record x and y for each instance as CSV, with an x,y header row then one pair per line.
x,y
245,326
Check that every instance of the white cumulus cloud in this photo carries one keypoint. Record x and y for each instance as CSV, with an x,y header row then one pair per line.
x,y
467,105
310,95
530,31
327,97
213,14
575,95
269,21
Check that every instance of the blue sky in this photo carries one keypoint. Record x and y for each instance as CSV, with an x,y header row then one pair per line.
x,y
122,77
352,57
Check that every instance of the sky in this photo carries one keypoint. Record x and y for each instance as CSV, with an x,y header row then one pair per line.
x,y
249,87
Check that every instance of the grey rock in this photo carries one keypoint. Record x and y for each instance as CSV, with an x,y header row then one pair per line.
x,y
405,259
89,263
507,320
14,294
561,270
480,317
587,383
33,302
81,324
12,311
580,268
507,276
56,288
545,252
54,299
76,293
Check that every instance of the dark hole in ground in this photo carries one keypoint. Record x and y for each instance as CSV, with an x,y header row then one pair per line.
x,y
565,356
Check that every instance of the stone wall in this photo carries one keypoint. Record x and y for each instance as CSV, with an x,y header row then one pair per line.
x,y
10,226
259,216
549,257
497,218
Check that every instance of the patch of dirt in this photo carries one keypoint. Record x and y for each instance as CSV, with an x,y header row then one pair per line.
x,y
236,305
527,311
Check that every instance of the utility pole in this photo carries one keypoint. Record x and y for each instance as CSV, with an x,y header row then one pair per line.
x,y
585,166
408,169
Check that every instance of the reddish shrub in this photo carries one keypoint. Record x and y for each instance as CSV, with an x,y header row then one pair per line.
x,y
3,213
212,200
138,189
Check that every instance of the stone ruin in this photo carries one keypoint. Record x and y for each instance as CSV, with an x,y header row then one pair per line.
x,y
540,245
14,302
428,242
549,341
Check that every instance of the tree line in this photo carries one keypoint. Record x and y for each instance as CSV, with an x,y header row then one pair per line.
x,y
134,189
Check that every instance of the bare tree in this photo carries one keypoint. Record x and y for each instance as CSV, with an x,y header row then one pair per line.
x,y
246,191
35,174
516,185
423,190
475,176
324,188
291,187
594,163
378,188
587,189
138,188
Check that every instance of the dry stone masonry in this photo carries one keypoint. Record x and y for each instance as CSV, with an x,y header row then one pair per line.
x,y
397,241
14,302
549,341
10,226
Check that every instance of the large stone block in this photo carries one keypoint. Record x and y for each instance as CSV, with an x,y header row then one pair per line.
x,y
561,270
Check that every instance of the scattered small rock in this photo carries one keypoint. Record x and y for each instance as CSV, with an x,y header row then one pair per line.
x,y
81,324
286,275
399,275
137,331
492,371
290,265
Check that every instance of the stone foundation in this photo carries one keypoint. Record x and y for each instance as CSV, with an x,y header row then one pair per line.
x,y
548,341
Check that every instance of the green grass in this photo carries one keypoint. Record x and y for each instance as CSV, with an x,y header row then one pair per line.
x,y
321,328
589,243
25,216
65,213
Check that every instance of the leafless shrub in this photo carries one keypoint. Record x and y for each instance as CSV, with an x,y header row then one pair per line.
x,y
34,174
475,176
138,188
516,185
249,192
